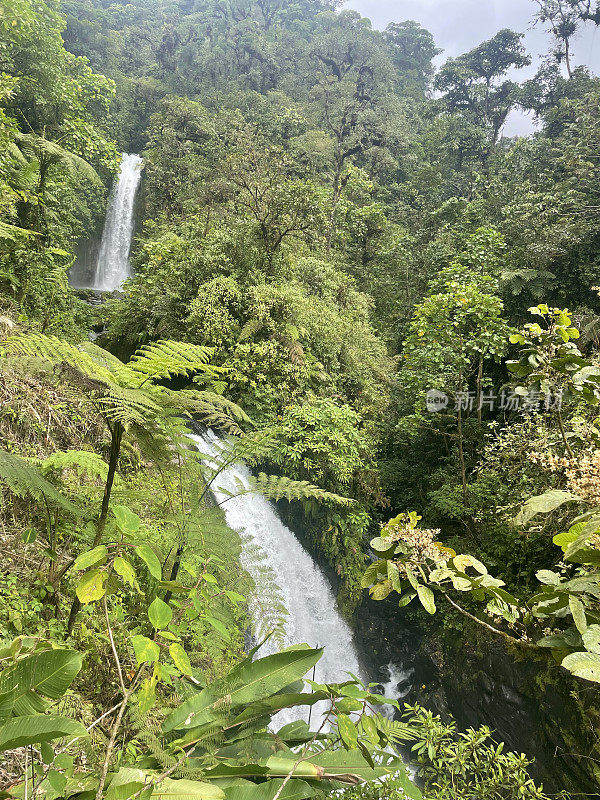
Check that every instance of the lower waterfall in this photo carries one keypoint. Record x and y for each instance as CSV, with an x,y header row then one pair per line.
x,y
308,598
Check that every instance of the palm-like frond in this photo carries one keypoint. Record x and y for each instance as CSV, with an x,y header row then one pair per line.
x,y
128,392
277,487
12,233
85,462
131,406
109,364
57,351
24,479
395,730
207,534
33,146
165,359
210,408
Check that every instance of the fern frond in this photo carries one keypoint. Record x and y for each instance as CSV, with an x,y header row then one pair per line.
x,y
395,730
276,487
24,479
209,408
130,406
110,364
12,233
250,448
37,147
154,445
266,604
56,351
207,534
219,402
166,359
250,328
85,462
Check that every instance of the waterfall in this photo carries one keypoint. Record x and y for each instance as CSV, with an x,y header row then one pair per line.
x,y
397,686
311,607
112,267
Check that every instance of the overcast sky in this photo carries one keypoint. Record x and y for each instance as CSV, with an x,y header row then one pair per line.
x,y
458,25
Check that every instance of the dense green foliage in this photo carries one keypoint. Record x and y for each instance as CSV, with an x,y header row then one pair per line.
x,y
335,255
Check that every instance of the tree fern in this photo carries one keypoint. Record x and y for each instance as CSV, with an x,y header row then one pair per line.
x,y
57,351
24,479
50,153
123,399
131,406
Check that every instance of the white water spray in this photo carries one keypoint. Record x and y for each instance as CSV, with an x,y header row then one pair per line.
x,y
311,609
112,268
397,686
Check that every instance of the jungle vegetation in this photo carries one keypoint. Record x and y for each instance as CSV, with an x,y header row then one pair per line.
x,y
392,308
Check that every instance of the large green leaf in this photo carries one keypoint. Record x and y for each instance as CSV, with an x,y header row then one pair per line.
x,y
427,599
578,612
145,649
126,783
239,789
22,731
180,658
91,586
345,766
159,613
583,665
7,700
150,559
91,557
543,504
246,683
591,639
127,522
48,673
580,552
187,790
271,705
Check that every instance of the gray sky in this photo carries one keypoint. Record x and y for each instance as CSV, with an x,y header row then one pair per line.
x,y
458,25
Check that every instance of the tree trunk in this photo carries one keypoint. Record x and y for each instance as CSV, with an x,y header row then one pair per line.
x,y
461,458
479,398
113,461
335,199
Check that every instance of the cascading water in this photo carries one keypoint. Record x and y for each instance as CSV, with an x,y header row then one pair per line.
x,y
397,686
307,595
112,268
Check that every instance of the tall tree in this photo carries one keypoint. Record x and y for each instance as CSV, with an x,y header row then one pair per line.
x,y
562,19
412,50
475,84
352,80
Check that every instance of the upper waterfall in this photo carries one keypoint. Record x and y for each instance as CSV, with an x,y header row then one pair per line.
x,y
112,268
